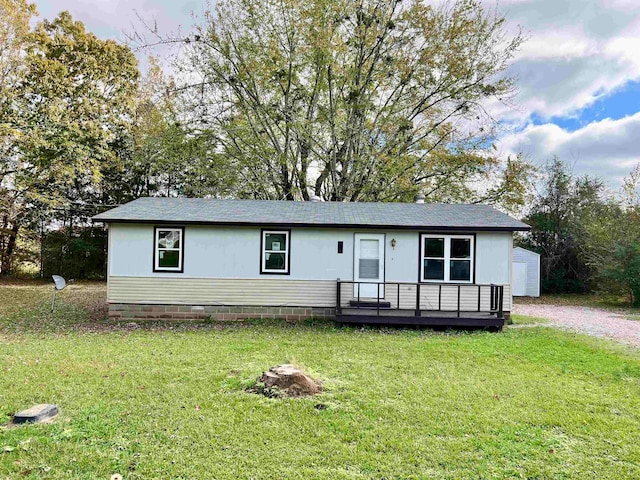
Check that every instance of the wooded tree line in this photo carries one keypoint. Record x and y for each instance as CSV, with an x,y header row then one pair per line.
x,y
275,99
368,100
588,236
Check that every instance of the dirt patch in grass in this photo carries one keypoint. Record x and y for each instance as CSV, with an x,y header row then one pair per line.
x,y
285,380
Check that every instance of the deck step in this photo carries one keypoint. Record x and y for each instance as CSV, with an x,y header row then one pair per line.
x,y
364,304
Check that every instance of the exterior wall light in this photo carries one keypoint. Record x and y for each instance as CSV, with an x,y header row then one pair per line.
x,y
393,243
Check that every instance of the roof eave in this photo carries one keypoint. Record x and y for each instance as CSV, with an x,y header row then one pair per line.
x,y
524,228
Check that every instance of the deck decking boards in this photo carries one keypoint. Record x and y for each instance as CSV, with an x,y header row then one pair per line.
x,y
427,318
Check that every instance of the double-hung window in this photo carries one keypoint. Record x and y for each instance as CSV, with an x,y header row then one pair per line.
x,y
168,251
446,258
275,250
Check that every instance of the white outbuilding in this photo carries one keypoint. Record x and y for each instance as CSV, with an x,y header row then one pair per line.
x,y
526,273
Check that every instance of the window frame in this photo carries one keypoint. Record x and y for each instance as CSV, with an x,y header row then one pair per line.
x,y
287,257
447,257
156,260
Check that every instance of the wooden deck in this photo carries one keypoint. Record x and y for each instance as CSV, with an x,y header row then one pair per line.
x,y
381,312
407,317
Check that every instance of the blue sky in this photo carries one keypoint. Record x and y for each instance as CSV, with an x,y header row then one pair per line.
x,y
578,73
615,105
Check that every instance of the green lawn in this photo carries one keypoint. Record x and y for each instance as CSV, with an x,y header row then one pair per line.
x,y
158,403
526,320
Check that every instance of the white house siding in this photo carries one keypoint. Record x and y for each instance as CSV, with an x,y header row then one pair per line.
x,y
532,260
222,267
401,263
223,291
493,257
223,252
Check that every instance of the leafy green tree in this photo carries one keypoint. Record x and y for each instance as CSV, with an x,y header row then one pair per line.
x,y
76,93
158,153
613,242
15,16
355,100
559,217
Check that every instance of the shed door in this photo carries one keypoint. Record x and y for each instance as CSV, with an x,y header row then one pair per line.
x,y
519,279
368,265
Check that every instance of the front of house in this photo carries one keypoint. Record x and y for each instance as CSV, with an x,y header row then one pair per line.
x,y
233,259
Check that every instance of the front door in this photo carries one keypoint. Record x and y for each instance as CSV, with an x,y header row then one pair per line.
x,y
368,265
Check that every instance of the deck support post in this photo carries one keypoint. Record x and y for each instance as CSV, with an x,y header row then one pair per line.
x,y
338,299
417,312
492,300
378,299
458,311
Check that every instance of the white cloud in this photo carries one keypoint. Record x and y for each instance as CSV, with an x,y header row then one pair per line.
x,y
578,51
608,148
562,86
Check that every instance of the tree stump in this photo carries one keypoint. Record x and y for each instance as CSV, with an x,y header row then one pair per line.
x,y
290,380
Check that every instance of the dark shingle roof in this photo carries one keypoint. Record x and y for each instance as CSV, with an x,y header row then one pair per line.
x,y
320,214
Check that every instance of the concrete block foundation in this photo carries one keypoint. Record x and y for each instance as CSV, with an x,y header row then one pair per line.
x,y
126,311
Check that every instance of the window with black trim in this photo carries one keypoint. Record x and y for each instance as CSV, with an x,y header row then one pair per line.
x,y
446,258
168,251
275,251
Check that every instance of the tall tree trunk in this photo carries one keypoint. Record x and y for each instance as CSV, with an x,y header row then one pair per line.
x,y
7,257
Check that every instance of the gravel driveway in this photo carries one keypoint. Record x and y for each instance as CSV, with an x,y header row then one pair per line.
x,y
592,321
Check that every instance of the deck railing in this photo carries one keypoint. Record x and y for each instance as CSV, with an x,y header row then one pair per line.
x,y
494,292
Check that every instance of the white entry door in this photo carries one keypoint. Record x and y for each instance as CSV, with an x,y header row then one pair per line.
x,y
519,279
368,265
